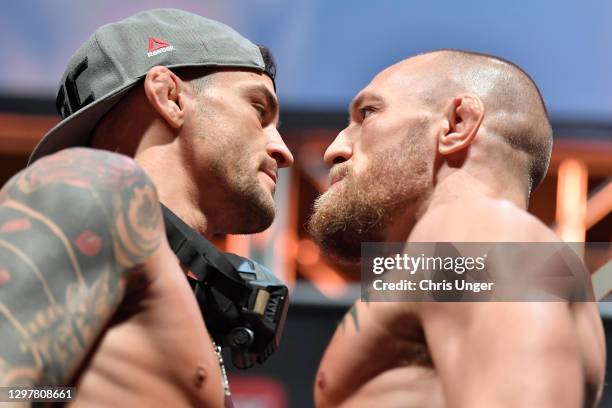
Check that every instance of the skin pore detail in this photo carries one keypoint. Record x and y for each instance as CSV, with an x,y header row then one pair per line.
x,y
74,229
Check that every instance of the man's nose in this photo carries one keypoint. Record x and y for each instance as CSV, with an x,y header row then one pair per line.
x,y
339,151
278,150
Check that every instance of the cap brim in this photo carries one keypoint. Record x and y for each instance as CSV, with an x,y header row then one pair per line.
x,y
76,129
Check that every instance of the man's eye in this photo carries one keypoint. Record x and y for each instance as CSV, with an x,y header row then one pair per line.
x,y
260,109
365,112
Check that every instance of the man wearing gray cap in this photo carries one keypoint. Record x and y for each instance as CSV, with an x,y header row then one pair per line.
x,y
91,295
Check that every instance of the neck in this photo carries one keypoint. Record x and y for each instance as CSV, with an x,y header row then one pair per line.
x,y
174,189
463,184
454,187
187,211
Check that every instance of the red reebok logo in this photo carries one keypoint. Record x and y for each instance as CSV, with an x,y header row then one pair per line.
x,y
157,46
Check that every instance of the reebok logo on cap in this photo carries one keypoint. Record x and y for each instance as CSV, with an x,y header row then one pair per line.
x,y
157,46
90,86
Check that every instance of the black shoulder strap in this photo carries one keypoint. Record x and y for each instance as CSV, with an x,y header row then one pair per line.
x,y
204,260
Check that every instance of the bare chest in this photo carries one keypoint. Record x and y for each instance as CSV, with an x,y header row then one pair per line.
x,y
374,354
155,353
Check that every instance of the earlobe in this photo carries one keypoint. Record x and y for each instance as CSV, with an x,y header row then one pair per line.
x,y
464,115
163,89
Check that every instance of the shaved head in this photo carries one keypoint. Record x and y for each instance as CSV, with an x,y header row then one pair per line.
x,y
515,110
429,129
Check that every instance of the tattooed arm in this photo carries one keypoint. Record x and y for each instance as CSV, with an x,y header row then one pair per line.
x,y
74,228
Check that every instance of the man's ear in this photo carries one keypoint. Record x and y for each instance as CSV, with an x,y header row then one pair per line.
x,y
464,116
164,91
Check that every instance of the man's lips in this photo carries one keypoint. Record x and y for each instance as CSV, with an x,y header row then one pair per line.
x,y
337,173
271,174
334,180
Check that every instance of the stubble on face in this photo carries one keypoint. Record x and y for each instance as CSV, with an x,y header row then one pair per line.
x,y
254,207
249,206
237,157
361,206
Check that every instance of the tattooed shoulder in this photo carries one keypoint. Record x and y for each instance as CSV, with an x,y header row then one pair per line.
x,y
72,228
86,182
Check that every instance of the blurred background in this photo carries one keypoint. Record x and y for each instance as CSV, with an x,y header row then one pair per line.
x,y
326,51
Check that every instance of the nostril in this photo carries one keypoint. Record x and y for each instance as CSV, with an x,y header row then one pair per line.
x,y
280,158
339,159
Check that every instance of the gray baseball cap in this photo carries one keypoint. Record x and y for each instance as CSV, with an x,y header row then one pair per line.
x,y
118,55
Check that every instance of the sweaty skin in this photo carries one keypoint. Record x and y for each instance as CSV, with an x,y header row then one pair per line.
x,y
91,294
471,354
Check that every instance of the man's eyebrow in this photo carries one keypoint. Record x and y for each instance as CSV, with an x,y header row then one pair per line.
x,y
360,98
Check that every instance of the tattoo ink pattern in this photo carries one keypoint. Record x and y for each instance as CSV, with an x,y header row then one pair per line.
x,y
5,276
89,243
26,260
19,224
75,228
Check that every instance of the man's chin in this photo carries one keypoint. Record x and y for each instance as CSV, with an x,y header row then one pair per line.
x,y
263,223
341,221
333,237
256,219
253,209
338,247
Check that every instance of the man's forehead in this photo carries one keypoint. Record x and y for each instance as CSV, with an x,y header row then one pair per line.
x,y
401,77
406,70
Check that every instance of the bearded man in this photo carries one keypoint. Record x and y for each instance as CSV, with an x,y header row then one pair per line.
x,y
447,147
